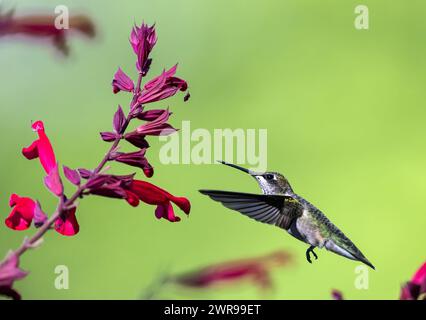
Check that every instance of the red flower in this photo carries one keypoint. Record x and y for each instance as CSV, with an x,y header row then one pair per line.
x,y
41,148
22,213
67,224
39,26
151,194
256,270
162,87
25,210
416,288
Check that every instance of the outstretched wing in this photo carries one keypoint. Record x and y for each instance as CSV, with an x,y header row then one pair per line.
x,y
277,210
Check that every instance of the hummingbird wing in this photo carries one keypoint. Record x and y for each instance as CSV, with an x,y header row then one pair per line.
x,y
279,210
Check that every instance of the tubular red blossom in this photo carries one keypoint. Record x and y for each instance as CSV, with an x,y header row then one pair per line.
x,y
151,194
122,82
22,213
162,87
143,40
67,224
41,148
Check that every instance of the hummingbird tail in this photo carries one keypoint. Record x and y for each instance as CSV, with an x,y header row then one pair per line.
x,y
350,252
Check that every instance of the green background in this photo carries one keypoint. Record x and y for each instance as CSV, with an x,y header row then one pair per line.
x,y
346,125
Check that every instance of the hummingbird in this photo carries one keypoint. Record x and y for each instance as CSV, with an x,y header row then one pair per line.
x,y
279,205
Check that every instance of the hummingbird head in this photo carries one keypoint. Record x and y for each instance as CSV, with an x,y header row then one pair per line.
x,y
272,183
269,182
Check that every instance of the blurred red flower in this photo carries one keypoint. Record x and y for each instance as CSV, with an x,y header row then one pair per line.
x,y
257,270
39,26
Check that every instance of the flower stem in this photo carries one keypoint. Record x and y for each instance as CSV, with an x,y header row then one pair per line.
x,y
63,203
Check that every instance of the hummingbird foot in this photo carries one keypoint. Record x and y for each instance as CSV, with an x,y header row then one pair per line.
x,y
308,256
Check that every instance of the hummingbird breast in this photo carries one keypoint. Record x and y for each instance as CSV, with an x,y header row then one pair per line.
x,y
307,229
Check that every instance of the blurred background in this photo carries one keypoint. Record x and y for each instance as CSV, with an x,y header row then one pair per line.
x,y
346,125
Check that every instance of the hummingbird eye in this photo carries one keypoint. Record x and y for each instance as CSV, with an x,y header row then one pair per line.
x,y
269,176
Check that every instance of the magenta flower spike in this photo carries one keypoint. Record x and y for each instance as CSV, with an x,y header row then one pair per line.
x,y
26,211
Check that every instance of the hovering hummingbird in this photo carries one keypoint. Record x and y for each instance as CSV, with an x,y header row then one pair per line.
x,y
280,206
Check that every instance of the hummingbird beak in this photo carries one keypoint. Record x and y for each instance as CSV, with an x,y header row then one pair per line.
x,y
238,167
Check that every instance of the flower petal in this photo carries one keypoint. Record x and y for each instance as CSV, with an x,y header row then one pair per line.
x,y
162,87
150,115
119,120
22,213
137,139
132,198
165,211
10,271
122,82
31,152
44,147
108,136
135,159
67,224
39,216
72,175
53,182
